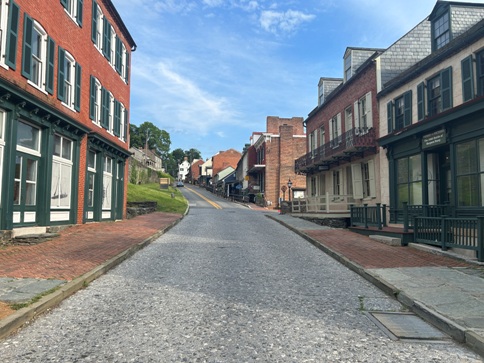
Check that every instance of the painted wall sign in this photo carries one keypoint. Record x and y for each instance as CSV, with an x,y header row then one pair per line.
x,y
434,139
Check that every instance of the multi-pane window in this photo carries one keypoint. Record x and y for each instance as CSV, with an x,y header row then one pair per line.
x,y
61,172
363,114
91,167
95,100
321,135
348,67
409,180
321,94
37,55
74,8
434,96
438,95
335,130
69,81
312,143
399,112
441,31
97,26
107,182
470,173
25,179
336,183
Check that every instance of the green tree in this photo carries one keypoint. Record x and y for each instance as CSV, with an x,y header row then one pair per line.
x,y
158,140
193,154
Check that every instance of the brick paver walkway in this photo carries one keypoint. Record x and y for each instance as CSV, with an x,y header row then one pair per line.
x,y
80,248
372,254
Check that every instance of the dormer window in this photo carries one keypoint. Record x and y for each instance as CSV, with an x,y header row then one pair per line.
x,y
441,31
348,67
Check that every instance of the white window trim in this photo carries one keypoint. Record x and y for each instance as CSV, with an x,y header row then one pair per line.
x,y
4,11
121,122
99,30
124,55
72,82
66,162
73,10
43,58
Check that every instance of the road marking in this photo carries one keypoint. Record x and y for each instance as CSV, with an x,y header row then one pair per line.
x,y
213,204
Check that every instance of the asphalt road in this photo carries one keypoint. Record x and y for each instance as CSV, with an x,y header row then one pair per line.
x,y
226,284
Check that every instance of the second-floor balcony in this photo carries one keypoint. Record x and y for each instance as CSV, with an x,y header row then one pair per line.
x,y
344,147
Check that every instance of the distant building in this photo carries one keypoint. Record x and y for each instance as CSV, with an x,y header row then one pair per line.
x,y
271,157
183,169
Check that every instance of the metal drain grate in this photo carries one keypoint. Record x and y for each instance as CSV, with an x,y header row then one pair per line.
x,y
406,326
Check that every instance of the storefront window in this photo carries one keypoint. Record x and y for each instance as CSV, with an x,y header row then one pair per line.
x,y
409,181
470,173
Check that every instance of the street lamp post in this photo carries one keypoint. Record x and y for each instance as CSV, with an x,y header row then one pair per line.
x,y
289,186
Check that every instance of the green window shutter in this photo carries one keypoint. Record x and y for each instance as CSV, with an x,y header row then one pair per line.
x,y
126,78
467,79
446,82
421,101
119,55
92,98
64,3
390,116
94,22
125,138
480,73
80,4
49,73
61,74
104,108
77,92
117,118
27,47
106,39
407,112
12,35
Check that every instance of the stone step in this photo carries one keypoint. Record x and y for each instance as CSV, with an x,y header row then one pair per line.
x,y
33,239
391,241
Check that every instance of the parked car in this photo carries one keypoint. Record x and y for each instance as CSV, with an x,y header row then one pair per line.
x,y
180,184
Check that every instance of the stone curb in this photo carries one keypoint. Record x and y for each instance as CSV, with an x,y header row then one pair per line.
x,y
15,321
456,331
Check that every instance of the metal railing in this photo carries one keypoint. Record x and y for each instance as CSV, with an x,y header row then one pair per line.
x,y
366,215
447,232
411,211
354,138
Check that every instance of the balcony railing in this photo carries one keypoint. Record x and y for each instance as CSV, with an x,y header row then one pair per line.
x,y
352,140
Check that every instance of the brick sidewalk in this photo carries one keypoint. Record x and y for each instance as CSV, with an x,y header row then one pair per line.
x,y
372,254
80,248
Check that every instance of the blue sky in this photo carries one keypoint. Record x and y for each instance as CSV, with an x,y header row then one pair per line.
x,y
209,72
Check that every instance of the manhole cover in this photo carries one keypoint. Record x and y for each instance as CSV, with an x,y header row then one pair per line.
x,y
406,326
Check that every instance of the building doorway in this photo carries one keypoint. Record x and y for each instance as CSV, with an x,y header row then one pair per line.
x,y
439,177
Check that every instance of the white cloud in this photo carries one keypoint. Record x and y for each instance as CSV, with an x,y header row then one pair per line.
x,y
286,22
213,3
173,6
165,95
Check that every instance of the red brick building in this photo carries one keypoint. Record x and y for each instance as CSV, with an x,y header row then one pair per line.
x,y
64,105
342,154
271,159
224,159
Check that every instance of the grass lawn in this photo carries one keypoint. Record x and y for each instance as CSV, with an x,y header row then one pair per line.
x,y
152,192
